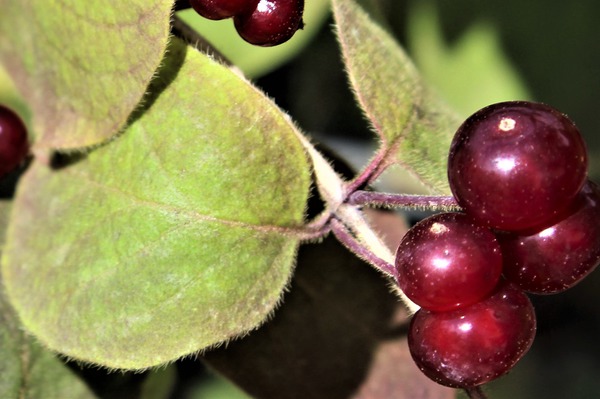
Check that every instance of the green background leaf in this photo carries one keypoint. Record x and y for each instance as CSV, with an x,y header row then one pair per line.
x,y
216,387
29,371
159,384
415,127
176,236
26,369
82,66
471,72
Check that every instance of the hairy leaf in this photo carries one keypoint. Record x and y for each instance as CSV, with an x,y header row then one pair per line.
x,y
82,66
414,126
178,235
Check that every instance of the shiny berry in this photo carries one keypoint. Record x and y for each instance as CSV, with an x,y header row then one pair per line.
x,y
473,345
221,9
448,261
272,22
14,145
559,256
515,165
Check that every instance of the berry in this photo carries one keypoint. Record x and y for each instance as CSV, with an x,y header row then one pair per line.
x,y
473,345
448,261
221,9
559,256
272,22
14,145
515,165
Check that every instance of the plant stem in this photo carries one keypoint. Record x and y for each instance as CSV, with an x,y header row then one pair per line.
x,y
407,201
475,393
370,173
183,31
353,245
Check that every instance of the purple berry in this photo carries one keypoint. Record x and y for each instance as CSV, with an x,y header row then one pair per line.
x,y
473,345
448,261
14,145
559,256
515,165
221,9
272,22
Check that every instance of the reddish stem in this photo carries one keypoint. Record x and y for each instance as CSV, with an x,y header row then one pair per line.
x,y
370,173
353,245
402,200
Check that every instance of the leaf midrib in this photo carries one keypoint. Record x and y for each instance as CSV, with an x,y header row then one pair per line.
x,y
194,215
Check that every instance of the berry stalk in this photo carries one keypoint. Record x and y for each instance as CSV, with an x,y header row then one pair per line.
x,y
353,245
350,228
407,201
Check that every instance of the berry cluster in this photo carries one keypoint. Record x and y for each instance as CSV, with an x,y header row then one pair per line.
x,y
14,145
259,22
530,223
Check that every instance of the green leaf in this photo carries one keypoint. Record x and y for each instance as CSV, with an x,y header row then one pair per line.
x,y
472,72
414,126
160,383
26,369
42,376
257,61
29,371
215,387
178,235
82,66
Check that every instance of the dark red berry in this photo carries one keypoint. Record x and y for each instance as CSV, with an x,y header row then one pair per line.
x,y
221,9
515,165
473,345
557,257
14,145
271,23
448,261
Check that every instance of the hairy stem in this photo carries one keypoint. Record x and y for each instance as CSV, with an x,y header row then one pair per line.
x,y
354,219
432,202
353,245
350,228
370,173
183,31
